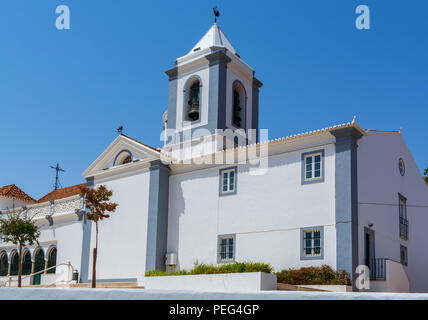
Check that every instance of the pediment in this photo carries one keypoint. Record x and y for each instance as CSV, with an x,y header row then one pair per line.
x,y
117,151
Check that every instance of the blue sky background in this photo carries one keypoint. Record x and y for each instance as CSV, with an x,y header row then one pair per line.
x,y
64,93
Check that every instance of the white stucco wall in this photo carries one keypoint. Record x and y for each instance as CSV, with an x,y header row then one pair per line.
x,y
122,237
65,235
10,203
379,183
266,214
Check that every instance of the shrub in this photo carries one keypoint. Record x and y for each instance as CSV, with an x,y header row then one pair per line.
x,y
323,275
155,273
237,267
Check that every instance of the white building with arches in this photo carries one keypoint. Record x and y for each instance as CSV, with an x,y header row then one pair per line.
x,y
218,192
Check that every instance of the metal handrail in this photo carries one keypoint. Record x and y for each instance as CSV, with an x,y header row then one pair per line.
x,y
41,272
377,267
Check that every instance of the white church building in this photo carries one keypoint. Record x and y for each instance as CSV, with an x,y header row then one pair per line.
x,y
217,192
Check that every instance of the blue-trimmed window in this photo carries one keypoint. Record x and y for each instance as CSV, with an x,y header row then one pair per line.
x,y
312,243
403,255
226,248
313,167
228,181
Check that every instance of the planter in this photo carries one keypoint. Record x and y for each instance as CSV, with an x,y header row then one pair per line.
x,y
247,281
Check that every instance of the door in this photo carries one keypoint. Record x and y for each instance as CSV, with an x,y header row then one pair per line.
x,y
39,265
369,248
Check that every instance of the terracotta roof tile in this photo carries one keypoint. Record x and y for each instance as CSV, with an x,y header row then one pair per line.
x,y
62,193
12,191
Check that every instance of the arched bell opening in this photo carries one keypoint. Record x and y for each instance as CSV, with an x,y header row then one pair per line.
x,y
192,99
239,105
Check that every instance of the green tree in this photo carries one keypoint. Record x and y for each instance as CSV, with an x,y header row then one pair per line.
x,y
20,230
97,204
426,174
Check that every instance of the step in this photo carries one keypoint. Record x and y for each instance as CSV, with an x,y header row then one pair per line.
x,y
111,285
290,287
127,285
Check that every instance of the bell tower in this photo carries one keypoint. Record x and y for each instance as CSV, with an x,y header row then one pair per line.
x,y
212,91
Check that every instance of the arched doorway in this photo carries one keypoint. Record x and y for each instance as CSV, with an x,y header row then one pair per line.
x,y
26,263
39,265
4,265
14,263
52,260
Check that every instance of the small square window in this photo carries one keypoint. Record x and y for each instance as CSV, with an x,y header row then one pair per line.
x,y
312,243
313,167
226,248
403,255
228,181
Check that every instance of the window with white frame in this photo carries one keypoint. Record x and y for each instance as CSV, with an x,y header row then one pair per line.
x,y
226,248
312,242
313,166
228,181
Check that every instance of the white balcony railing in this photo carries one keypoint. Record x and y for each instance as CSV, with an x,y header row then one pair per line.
x,y
51,209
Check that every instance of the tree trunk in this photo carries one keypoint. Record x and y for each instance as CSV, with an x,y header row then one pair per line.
x,y
94,269
94,264
20,265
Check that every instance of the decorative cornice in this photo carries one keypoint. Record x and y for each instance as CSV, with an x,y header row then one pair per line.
x,y
218,56
172,73
257,83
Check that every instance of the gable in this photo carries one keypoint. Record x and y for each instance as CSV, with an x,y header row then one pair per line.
x,y
117,152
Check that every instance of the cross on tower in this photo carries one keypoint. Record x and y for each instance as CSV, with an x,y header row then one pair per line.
x,y
57,185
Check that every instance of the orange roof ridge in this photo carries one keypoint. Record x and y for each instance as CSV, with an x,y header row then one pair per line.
x,y
12,191
61,193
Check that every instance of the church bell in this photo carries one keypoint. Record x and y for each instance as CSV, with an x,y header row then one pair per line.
x,y
194,111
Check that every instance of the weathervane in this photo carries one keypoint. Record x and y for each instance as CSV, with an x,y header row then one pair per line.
x,y
216,14
57,185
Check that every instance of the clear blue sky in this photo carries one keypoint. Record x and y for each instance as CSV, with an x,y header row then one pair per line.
x,y
63,93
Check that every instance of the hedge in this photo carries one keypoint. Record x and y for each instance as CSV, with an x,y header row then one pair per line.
x,y
323,275
237,267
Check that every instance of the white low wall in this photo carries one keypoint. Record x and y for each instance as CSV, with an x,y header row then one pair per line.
x,y
12,281
396,279
247,281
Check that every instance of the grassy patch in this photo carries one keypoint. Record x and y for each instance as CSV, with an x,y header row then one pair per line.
x,y
237,267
